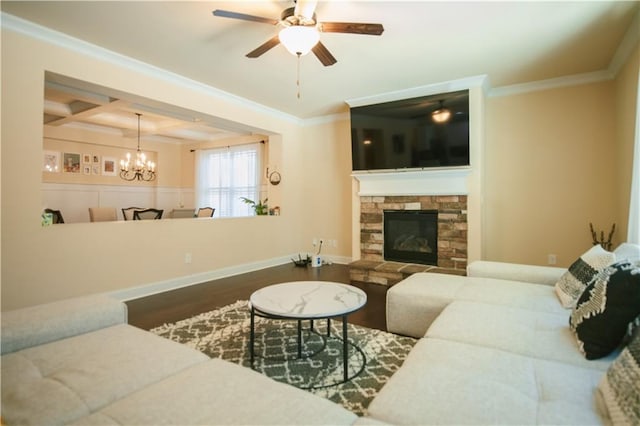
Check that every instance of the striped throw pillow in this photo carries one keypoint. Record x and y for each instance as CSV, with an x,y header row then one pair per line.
x,y
573,282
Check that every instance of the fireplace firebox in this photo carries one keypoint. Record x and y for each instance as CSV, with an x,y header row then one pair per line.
x,y
411,236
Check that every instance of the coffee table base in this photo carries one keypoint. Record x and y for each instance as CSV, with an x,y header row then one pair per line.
x,y
345,344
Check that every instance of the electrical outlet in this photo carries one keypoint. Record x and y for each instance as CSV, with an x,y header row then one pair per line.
x,y
552,259
321,240
187,258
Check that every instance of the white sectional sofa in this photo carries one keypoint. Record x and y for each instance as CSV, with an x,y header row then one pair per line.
x,y
78,362
493,349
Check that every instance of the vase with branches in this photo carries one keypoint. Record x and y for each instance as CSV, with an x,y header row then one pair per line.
x,y
606,244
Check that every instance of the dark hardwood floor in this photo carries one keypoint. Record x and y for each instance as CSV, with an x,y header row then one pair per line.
x,y
171,306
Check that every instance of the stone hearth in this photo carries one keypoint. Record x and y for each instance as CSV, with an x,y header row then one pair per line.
x,y
452,237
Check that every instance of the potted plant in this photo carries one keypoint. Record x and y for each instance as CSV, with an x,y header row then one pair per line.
x,y
260,207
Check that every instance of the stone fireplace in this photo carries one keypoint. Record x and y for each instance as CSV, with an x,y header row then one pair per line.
x,y
457,194
448,237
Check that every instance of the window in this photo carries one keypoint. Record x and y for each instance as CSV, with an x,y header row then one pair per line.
x,y
223,175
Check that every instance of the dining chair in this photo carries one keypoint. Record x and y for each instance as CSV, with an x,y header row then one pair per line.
x,y
147,214
127,213
57,215
102,214
183,213
205,212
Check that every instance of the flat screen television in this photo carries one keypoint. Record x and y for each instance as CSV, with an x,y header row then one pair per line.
x,y
404,134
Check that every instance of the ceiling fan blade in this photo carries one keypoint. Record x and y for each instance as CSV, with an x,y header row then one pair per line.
x,y
305,8
264,47
351,28
244,17
323,54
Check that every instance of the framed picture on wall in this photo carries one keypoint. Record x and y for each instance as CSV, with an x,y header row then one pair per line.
x,y
96,169
86,158
96,159
86,169
71,162
109,166
51,161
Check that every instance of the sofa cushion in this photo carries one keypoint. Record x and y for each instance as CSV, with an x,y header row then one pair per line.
x,y
534,274
580,273
605,309
40,324
620,387
535,334
530,297
446,382
58,382
222,393
414,303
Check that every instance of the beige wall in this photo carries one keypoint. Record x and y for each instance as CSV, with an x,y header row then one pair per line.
x,y
550,171
46,264
552,165
626,89
328,146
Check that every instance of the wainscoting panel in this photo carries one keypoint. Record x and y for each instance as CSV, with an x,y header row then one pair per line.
x,y
74,200
127,197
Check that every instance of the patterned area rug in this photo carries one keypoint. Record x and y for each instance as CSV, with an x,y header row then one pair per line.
x,y
224,333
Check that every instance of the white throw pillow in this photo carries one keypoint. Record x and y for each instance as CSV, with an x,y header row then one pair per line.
x,y
573,282
628,251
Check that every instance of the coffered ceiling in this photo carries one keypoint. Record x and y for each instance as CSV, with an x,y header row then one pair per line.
x,y
423,43
74,104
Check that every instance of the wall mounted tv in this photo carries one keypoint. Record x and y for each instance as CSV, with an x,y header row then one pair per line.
x,y
404,135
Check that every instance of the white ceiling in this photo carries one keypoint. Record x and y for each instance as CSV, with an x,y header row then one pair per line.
x,y
423,43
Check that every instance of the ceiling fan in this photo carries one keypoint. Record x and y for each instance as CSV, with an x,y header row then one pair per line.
x,y
300,31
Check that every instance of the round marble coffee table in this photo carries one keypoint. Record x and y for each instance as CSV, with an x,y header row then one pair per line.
x,y
308,300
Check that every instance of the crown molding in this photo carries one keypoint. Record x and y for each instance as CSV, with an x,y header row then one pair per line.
x,y
47,35
621,56
626,47
552,83
414,92
324,119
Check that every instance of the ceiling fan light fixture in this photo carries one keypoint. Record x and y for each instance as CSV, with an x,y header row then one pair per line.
x,y
299,39
441,114
305,9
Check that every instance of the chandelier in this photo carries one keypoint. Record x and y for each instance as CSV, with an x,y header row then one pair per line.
x,y
141,169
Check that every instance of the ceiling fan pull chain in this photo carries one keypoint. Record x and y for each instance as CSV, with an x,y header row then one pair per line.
x,y
298,76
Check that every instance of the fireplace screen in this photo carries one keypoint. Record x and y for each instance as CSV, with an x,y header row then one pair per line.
x,y
411,236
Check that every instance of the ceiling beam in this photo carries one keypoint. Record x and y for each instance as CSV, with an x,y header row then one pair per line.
x,y
85,111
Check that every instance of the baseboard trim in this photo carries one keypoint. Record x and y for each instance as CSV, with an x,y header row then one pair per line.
x,y
341,260
188,280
